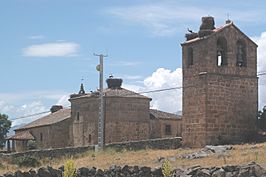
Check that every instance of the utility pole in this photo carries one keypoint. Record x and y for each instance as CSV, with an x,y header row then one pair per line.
x,y
101,123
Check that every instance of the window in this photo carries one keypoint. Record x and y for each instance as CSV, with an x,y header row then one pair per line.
x,y
168,130
77,116
190,56
241,54
221,59
89,138
41,137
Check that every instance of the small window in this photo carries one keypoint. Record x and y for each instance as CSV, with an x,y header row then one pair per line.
x,y
221,58
168,130
77,116
89,138
241,54
190,56
41,137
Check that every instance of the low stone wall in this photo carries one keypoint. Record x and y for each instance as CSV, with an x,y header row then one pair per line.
x,y
51,153
165,143
247,170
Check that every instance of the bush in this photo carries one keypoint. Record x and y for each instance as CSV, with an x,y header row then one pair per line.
x,y
1,166
32,145
26,161
69,169
167,169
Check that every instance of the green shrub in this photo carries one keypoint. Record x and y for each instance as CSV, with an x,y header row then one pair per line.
x,y
26,161
1,166
167,169
69,169
32,144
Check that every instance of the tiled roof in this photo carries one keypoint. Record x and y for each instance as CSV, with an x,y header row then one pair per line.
x,y
214,30
24,135
121,92
163,115
52,118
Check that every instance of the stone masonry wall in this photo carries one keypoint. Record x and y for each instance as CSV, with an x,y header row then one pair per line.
x,y
126,119
165,143
246,170
53,136
219,102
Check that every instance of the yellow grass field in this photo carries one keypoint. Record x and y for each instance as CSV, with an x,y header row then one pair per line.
x,y
240,154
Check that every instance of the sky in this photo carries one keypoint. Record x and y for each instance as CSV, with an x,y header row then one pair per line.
x,y
47,46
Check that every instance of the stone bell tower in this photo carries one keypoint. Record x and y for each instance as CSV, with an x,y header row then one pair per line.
x,y
220,85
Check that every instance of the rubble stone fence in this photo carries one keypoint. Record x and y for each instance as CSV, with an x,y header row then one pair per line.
x,y
247,170
164,143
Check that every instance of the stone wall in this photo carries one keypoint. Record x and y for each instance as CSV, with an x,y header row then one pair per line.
x,y
219,102
246,170
51,136
166,143
126,119
51,153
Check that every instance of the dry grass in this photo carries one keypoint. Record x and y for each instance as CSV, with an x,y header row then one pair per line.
x,y
239,155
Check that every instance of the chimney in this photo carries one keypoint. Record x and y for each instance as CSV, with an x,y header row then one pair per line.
x,y
207,26
114,83
56,108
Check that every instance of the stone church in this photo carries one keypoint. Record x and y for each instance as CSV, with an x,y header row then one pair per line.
x,y
220,100
220,85
128,117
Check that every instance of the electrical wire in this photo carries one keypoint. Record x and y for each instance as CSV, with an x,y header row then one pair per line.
x,y
263,73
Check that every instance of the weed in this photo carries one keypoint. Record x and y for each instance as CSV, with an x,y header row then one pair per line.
x,y
167,169
69,169
26,161
1,166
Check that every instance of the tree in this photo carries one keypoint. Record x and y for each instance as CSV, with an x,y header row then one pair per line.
x,y
5,125
262,119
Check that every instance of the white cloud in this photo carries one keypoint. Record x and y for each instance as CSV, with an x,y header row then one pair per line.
x,y
63,101
15,112
57,49
261,41
17,105
171,100
167,17
37,37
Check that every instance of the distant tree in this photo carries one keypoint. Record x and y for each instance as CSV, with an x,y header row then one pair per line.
x,y
5,125
262,119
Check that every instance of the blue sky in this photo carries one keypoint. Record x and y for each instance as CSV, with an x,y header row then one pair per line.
x,y
47,46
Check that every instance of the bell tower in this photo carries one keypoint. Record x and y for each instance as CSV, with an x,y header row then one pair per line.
x,y
220,85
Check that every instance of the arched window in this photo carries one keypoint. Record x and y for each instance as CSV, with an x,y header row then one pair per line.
x,y
190,56
241,54
221,59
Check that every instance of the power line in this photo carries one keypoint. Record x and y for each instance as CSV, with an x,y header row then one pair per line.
x,y
263,73
35,114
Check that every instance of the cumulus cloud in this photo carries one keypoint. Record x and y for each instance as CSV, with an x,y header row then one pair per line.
x,y
17,105
18,111
261,41
170,100
57,49
63,101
